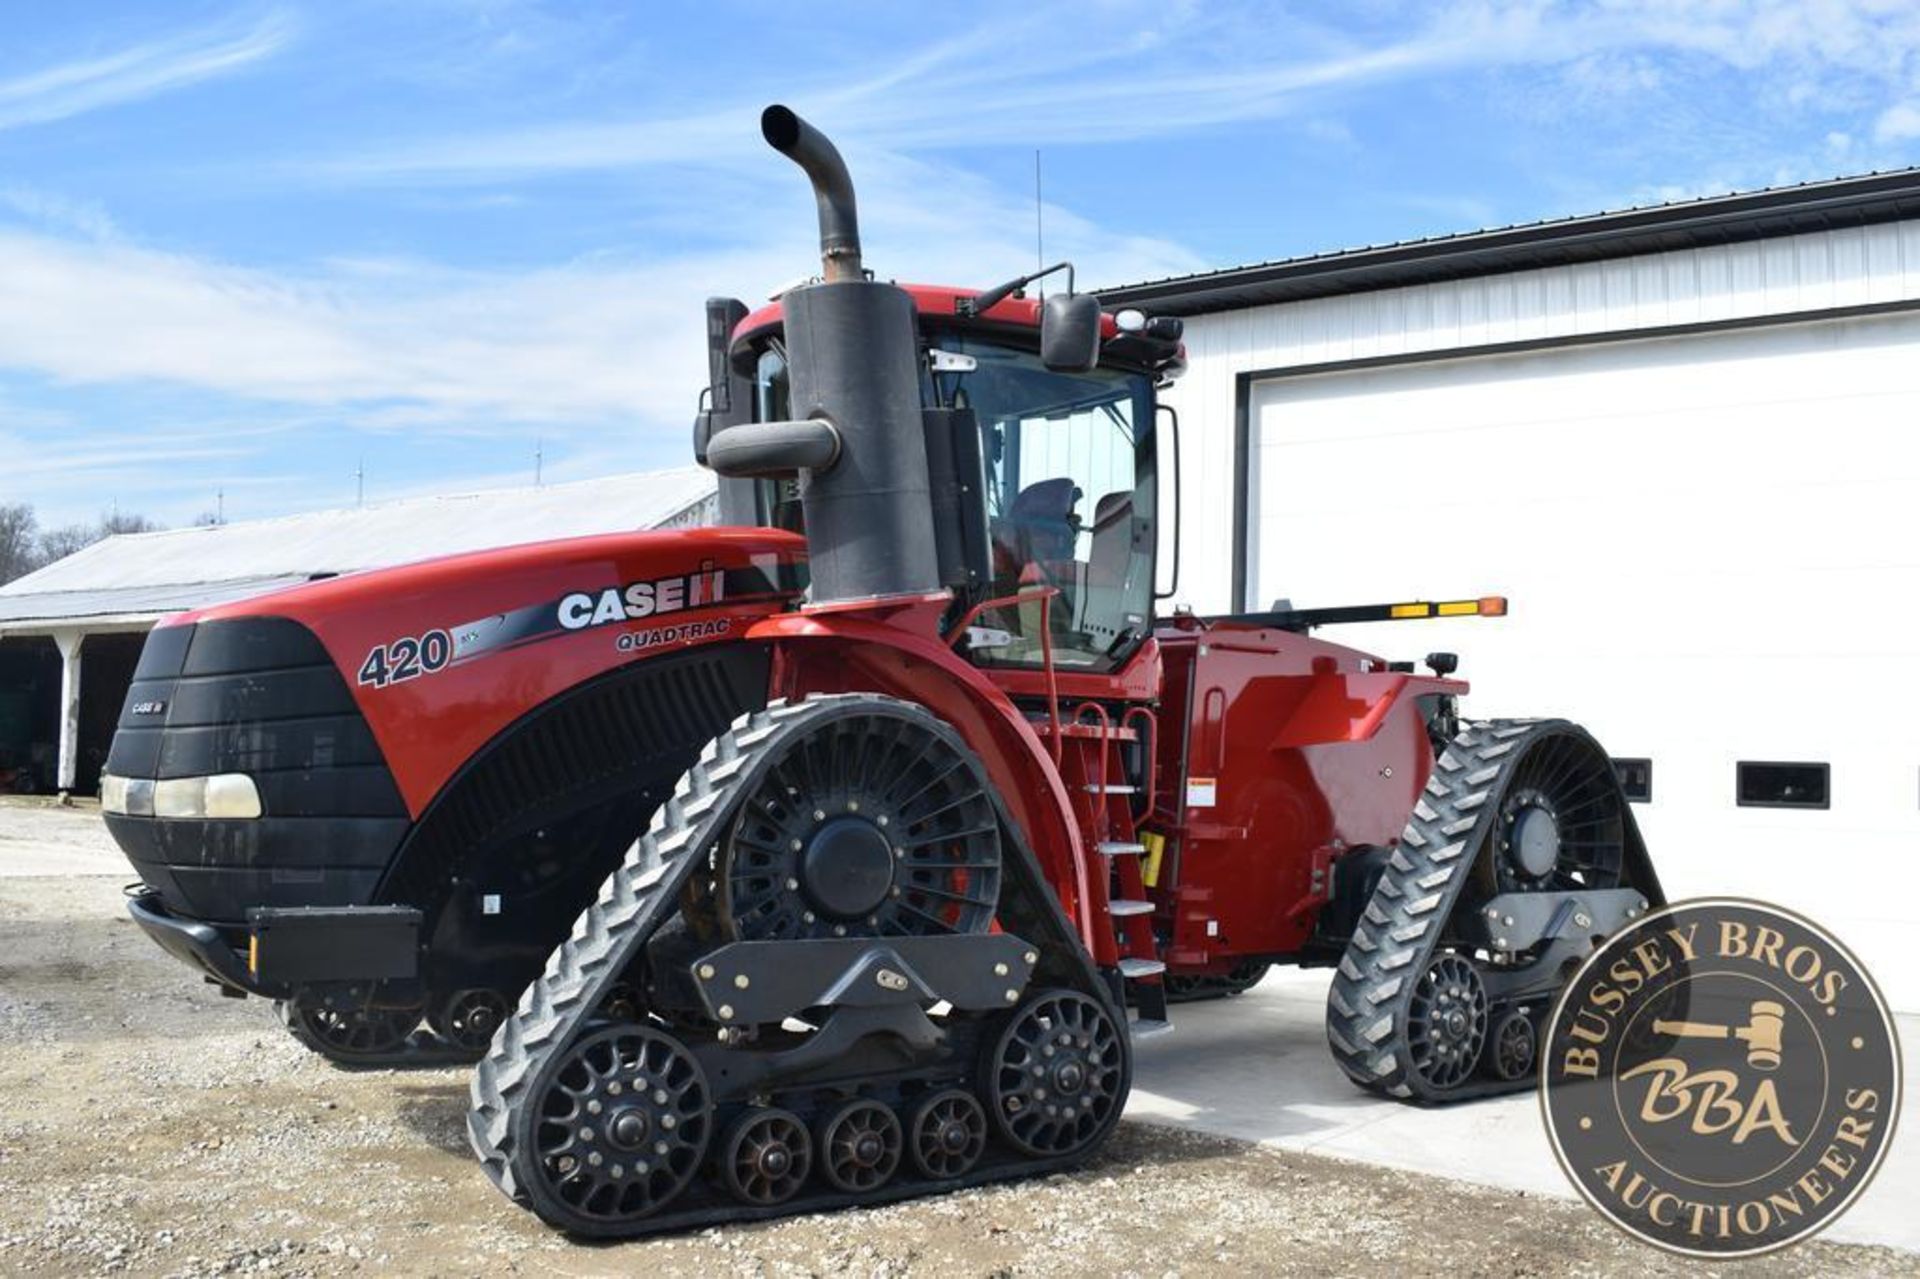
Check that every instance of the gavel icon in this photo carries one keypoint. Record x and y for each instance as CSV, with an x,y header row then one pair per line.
x,y
1765,1024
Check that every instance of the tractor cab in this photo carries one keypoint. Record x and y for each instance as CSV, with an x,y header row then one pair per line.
x,y
1053,471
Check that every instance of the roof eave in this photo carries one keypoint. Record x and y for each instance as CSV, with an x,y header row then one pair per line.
x,y
1718,220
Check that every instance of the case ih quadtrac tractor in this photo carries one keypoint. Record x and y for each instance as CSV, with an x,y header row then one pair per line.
x,y
840,854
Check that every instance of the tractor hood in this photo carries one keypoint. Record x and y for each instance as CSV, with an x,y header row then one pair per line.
x,y
441,655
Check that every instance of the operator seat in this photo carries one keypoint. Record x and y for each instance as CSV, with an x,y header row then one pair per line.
x,y
1109,564
1038,528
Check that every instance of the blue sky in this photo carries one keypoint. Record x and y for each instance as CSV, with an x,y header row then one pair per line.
x,y
251,247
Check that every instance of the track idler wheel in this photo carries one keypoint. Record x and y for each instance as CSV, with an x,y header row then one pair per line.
x,y
467,1018
766,1157
353,1036
949,1134
860,1146
1057,1075
1447,1021
620,1129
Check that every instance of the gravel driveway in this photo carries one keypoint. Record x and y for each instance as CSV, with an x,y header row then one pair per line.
x,y
149,1126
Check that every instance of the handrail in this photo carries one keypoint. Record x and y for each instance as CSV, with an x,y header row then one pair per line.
x,y
1150,740
1106,750
1026,595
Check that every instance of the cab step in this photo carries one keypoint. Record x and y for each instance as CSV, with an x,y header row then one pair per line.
x,y
1148,1027
1121,907
1119,848
1133,969
1112,788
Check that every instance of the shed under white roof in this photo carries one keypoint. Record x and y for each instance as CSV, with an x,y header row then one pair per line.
x,y
137,577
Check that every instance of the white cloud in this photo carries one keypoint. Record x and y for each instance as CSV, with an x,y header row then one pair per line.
x,y
1898,123
399,344
88,218
1215,66
137,71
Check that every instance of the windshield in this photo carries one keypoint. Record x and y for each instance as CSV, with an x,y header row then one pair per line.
x,y
1069,499
1070,495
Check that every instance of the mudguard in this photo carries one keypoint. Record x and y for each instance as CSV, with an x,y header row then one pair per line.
x,y
835,652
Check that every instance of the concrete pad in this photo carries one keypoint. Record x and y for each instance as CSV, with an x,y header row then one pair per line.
x,y
39,837
1257,1067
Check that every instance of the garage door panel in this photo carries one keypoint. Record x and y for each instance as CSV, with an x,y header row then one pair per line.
x,y
1712,545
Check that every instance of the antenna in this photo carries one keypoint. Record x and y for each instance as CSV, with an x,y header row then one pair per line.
x,y
360,482
220,506
1039,237
539,447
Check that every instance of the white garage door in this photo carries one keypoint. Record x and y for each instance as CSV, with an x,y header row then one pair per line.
x,y
1712,547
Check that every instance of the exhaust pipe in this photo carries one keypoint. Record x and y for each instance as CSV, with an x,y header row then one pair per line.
x,y
807,147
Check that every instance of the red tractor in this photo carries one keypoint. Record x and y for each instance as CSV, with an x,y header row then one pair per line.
x,y
837,855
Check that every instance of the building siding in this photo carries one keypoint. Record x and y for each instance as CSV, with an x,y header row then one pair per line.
x,y
1830,270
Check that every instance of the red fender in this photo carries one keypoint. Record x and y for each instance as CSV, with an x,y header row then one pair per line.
x,y
842,653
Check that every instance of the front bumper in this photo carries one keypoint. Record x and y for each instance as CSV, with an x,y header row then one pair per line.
x,y
199,945
289,948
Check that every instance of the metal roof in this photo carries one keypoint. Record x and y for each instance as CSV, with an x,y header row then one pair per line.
x,y
1721,219
144,575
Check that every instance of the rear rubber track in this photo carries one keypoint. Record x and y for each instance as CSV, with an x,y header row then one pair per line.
x,y
1404,923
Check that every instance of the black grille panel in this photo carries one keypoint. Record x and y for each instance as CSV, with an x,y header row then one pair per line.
x,y
257,696
601,742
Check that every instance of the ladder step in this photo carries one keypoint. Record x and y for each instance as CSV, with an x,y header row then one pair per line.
x,y
1120,907
1147,1028
1114,788
1119,848
1131,968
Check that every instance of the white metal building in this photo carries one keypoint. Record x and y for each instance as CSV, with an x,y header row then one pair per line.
x,y
1685,441
71,632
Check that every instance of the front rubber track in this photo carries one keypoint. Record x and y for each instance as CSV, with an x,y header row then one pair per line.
x,y
643,893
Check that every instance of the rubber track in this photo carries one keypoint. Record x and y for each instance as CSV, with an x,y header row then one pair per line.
x,y
633,902
1403,923
642,894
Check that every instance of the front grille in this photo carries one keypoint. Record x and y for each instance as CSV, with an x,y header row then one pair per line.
x,y
259,696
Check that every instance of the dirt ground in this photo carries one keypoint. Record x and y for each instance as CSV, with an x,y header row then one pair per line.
x,y
149,1126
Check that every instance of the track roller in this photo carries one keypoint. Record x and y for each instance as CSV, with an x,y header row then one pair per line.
x,y
352,1037
949,1134
467,1019
766,1157
860,1146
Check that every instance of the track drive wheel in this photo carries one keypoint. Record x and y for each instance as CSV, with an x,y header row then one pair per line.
x,y
869,824
1057,1076
351,1037
622,1123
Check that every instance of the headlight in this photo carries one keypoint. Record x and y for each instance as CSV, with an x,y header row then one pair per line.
x,y
224,795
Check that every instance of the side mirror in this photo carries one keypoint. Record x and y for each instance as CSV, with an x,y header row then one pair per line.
x,y
1070,332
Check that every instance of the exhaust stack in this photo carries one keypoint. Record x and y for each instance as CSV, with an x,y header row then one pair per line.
x,y
807,147
853,376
